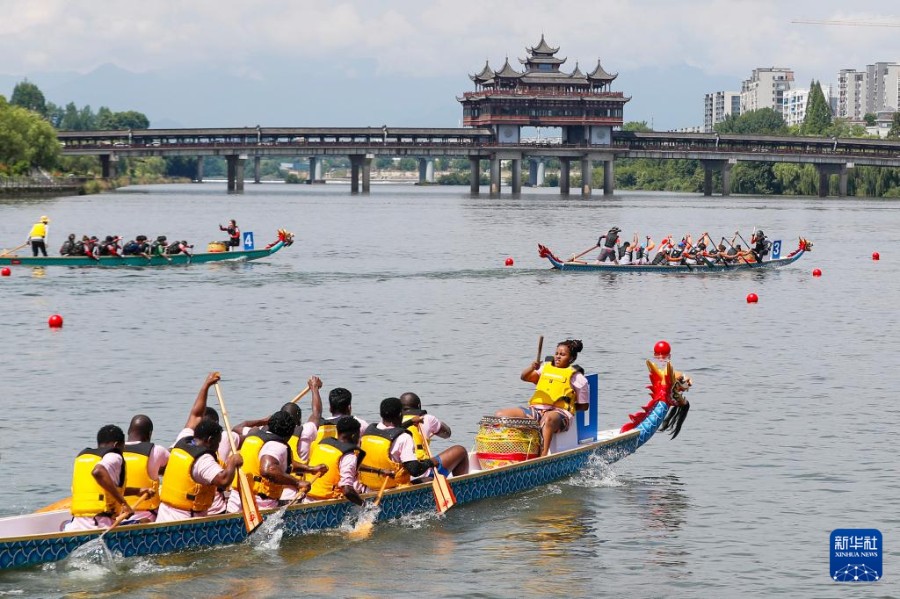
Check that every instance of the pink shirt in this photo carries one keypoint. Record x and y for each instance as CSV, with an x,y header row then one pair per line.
x,y
430,425
274,449
204,470
307,436
113,463
158,458
579,384
403,449
349,475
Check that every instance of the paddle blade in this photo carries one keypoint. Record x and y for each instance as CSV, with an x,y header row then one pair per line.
x,y
444,497
249,509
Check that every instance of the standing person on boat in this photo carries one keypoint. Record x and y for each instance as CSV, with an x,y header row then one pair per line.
x,y
389,447
98,483
193,475
341,457
761,245
420,422
145,462
37,237
268,461
561,391
68,246
609,246
234,234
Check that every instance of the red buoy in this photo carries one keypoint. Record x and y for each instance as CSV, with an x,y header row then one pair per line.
x,y
752,298
5,272
509,262
55,321
662,348
817,272
876,256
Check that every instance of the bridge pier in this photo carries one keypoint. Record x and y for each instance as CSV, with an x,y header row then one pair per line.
x,y
475,174
587,176
256,161
516,176
360,164
536,168
315,170
108,164
708,167
609,179
565,167
235,164
199,177
825,171
495,175
426,170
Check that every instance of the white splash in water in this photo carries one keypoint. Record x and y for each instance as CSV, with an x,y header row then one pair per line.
x,y
597,474
91,560
268,536
361,519
419,520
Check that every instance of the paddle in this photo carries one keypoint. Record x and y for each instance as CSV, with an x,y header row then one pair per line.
x,y
300,395
574,258
444,497
738,233
250,510
540,349
738,255
364,528
122,517
15,249
301,496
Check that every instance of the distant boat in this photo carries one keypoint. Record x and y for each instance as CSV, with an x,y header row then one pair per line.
x,y
285,239
33,539
714,268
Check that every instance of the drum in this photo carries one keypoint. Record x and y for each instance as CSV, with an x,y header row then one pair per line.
x,y
504,441
216,246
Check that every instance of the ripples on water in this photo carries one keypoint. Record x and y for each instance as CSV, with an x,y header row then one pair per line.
x,y
789,435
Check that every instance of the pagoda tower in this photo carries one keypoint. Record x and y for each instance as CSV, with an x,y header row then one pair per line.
x,y
542,95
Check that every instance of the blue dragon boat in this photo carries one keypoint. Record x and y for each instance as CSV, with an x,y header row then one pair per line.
x,y
33,539
712,268
284,239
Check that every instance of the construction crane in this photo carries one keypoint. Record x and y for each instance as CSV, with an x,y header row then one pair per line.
x,y
843,23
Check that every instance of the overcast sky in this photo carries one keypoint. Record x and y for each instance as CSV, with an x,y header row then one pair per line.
x,y
409,37
442,37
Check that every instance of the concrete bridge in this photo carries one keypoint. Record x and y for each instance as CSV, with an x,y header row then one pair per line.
x,y
361,145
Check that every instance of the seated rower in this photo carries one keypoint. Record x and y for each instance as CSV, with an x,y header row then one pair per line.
x,y
158,247
560,391
68,246
390,451
339,400
193,474
419,422
98,483
145,462
268,461
341,457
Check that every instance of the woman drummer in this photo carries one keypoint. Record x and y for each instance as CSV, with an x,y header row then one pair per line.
x,y
561,390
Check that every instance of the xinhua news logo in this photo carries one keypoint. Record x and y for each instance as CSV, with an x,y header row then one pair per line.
x,y
856,555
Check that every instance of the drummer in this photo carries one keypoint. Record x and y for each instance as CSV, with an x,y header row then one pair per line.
x,y
561,391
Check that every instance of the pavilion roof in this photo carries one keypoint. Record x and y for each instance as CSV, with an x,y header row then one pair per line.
x,y
543,48
486,74
507,72
600,74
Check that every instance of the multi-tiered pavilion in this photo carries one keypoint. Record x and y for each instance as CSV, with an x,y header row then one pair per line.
x,y
582,105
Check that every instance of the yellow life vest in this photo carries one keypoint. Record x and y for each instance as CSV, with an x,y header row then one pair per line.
x,y
250,449
137,455
327,430
329,452
179,489
555,388
38,230
416,433
376,444
88,497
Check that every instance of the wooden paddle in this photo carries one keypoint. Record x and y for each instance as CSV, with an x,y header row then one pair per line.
x,y
540,349
15,249
122,517
300,395
574,258
444,497
364,528
250,510
301,496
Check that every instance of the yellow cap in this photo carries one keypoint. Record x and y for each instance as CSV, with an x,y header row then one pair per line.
x,y
44,219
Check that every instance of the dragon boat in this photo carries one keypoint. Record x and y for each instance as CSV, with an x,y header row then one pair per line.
x,y
33,539
284,239
717,268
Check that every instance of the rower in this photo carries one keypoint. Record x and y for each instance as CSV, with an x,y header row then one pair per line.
x,y
341,457
339,404
193,474
268,461
98,483
608,243
418,421
145,462
389,447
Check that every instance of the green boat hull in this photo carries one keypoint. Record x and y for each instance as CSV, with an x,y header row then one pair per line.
x,y
115,261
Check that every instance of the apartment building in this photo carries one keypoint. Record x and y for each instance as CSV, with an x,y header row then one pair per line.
x,y
765,89
852,94
717,106
883,87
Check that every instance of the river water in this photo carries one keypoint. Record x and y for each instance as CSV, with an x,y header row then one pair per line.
x,y
788,438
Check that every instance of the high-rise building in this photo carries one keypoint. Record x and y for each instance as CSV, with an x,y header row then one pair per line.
x,y
852,94
717,106
765,89
882,87
793,107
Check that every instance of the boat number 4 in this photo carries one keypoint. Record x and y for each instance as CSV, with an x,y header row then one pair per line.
x,y
248,240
